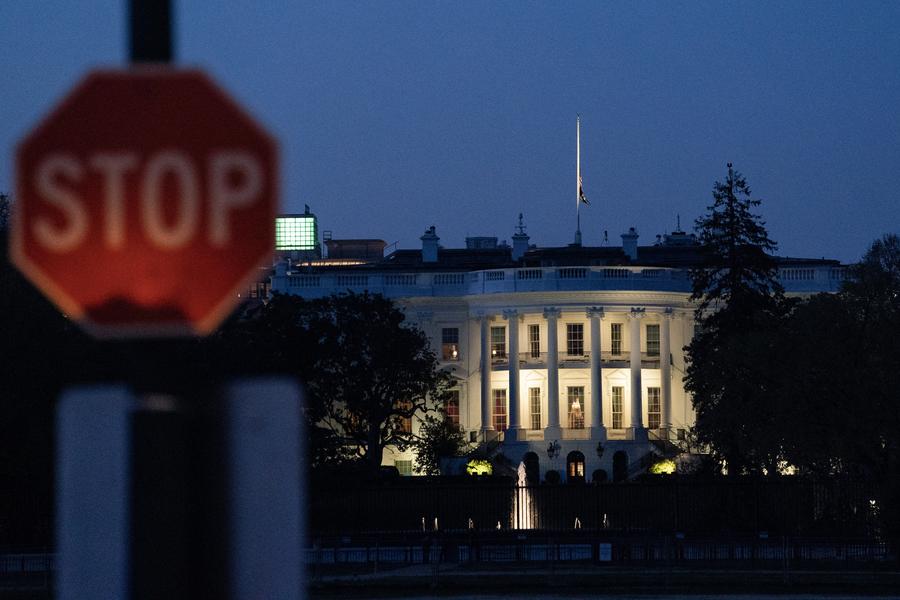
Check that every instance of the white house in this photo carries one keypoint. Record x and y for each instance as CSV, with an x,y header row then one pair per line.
x,y
555,351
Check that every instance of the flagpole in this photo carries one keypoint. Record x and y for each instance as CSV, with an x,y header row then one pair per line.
x,y
578,180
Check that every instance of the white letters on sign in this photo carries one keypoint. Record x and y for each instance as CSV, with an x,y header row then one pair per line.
x,y
234,181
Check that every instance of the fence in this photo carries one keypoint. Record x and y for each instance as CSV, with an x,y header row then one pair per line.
x,y
593,547
779,507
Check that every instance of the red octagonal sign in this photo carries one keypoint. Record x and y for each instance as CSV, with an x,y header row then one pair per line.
x,y
145,202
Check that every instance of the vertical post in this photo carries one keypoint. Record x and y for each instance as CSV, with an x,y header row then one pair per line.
x,y
665,373
553,430
598,431
485,374
512,317
92,492
160,505
637,410
150,27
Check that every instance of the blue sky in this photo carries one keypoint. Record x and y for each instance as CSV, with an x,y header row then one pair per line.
x,y
393,116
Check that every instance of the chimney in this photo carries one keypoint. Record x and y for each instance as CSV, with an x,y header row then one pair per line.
x,y
430,245
520,240
629,243
282,267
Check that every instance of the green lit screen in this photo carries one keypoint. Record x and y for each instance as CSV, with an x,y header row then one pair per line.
x,y
295,233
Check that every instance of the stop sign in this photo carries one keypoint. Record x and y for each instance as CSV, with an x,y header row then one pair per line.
x,y
145,203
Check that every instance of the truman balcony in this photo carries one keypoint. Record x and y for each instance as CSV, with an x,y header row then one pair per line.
x,y
538,360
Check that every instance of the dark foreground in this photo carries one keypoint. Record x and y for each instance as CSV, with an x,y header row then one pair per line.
x,y
591,581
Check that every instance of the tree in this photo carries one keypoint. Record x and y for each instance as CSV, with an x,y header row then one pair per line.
x,y
739,301
367,372
738,277
438,438
840,372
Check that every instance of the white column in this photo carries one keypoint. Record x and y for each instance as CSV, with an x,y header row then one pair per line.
x,y
553,430
598,431
637,410
514,429
486,424
665,372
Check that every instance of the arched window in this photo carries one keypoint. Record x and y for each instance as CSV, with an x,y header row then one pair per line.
x,y
620,466
575,467
532,468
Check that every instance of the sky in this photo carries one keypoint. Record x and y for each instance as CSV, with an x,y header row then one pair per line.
x,y
395,116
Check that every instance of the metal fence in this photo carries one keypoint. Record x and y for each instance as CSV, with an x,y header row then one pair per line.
x,y
779,507
542,550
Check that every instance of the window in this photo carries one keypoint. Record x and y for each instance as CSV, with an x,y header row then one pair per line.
x,y
450,343
534,341
404,466
498,342
534,401
405,425
574,339
575,466
617,393
615,337
576,407
653,339
500,410
452,407
653,412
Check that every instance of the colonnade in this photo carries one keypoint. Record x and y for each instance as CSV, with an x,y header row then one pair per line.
x,y
595,316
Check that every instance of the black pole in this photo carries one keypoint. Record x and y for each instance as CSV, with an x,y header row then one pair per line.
x,y
150,25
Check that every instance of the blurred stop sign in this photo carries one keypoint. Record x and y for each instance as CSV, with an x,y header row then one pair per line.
x,y
145,203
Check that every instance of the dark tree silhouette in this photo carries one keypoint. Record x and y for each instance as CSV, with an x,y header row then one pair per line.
x,y
366,371
739,300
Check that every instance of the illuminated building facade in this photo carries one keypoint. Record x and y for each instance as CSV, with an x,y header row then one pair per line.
x,y
557,353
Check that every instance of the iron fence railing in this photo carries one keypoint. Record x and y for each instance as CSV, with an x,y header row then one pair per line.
x,y
694,507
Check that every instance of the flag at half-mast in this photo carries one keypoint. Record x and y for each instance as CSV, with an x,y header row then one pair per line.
x,y
580,194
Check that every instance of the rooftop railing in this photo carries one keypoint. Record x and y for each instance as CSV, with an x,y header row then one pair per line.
x,y
323,282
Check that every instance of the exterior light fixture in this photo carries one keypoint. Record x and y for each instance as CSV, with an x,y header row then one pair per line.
x,y
553,449
454,353
600,449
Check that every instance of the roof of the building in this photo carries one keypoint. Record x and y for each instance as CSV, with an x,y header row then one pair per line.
x,y
476,259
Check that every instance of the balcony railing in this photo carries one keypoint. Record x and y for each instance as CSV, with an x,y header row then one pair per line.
x,y
618,357
577,358
532,358
499,358
650,359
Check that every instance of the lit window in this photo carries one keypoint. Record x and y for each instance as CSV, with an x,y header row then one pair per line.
x,y
653,411
534,341
404,466
574,339
534,399
653,340
617,393
452,408
575,466
498,342
450,343
615,337
405,422
576,407
500,410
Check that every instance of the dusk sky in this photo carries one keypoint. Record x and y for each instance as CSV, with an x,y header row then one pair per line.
x,y
393,116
